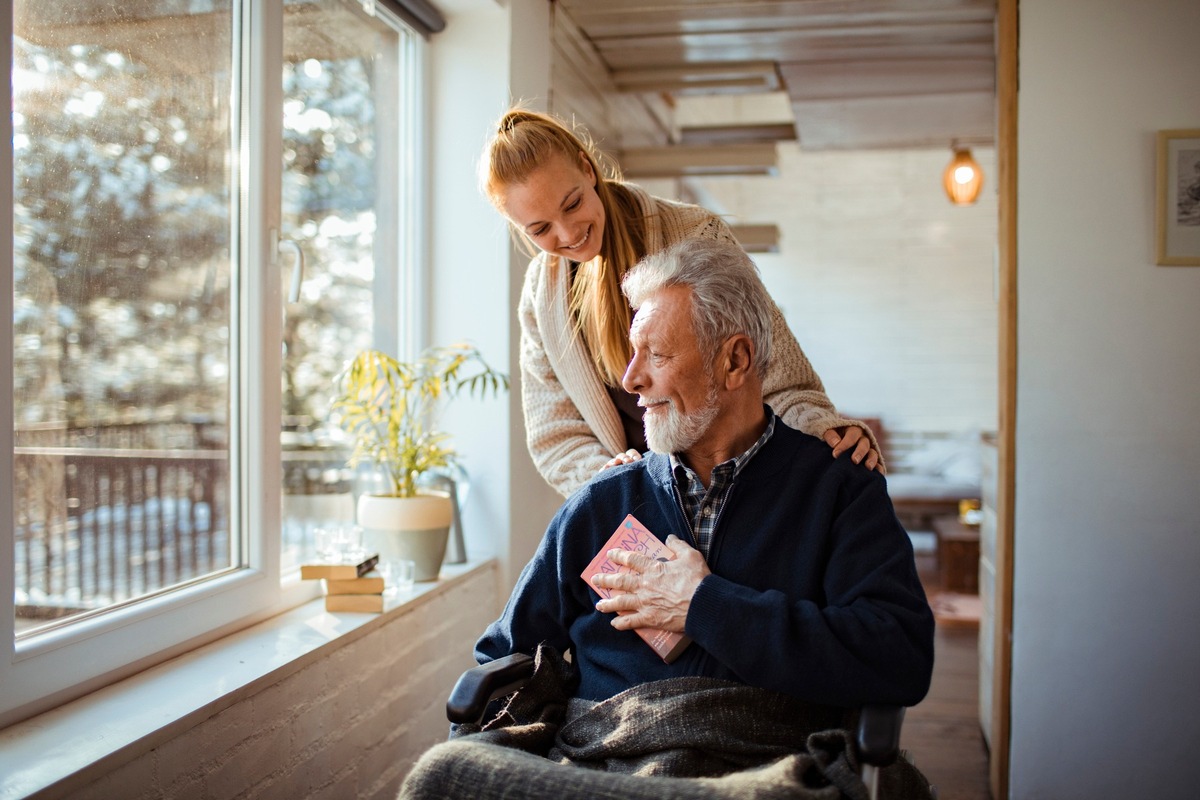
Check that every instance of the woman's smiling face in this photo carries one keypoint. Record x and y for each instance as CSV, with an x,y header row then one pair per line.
x,y
558,209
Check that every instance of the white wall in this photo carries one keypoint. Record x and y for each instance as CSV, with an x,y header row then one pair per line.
x,y
532,500
889,288
488,54
1105,701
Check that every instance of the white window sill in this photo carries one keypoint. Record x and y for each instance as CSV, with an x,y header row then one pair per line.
x,y
117,723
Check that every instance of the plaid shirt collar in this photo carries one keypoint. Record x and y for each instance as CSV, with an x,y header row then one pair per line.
x,y
701,507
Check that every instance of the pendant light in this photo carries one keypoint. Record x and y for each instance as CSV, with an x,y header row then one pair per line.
x,y
963,178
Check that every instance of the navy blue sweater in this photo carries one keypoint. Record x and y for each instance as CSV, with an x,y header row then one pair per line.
x,y
814,591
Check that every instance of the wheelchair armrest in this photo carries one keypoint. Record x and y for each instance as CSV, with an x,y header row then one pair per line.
x,y
481,685
878,735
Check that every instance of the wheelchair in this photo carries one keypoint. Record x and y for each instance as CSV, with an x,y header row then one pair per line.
x,y
876,737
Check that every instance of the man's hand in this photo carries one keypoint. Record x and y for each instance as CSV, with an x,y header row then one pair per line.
x,y
843,439
654,594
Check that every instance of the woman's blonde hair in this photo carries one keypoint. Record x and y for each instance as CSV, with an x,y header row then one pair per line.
x,y
523,142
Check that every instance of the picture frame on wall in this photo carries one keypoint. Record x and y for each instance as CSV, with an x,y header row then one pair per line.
x,y
1178,192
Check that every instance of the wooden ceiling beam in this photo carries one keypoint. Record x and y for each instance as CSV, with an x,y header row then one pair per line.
x,y
746,76
929,34
737,134
857,73
896,122
671,52
757,238
639,163
610,18
887,78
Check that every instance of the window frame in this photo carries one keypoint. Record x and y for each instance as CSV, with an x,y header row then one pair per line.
x,y
52,667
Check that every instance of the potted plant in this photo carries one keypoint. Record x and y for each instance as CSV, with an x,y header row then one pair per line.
x,y
389,409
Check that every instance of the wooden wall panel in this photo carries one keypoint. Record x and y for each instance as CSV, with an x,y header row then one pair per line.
x,y
583,92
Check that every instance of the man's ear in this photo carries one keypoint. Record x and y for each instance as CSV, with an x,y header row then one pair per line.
x,y
737,359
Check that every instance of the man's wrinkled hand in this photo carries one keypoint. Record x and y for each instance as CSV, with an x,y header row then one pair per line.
x,y
652,594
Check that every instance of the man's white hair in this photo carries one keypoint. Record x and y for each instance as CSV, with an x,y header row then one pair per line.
x,y
728,297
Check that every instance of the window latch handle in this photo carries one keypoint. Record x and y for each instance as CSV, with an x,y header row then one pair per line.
x,y
290,246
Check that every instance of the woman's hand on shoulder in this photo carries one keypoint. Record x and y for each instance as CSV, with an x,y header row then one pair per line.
x,y
628,457
855,439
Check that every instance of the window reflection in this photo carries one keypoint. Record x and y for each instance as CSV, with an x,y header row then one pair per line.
x,y
341,81
122,288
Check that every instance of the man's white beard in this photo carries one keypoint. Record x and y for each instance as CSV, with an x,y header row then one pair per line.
x,y
675,432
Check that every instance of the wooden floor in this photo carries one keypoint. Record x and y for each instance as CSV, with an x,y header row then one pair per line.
x,y
942,733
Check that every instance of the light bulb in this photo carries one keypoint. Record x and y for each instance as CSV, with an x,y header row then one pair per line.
x,y
962,178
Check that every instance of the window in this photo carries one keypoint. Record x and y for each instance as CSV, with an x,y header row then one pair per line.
x,y
344,208
170,179
123,277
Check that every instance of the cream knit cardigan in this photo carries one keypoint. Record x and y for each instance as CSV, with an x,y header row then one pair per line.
x,y
572,427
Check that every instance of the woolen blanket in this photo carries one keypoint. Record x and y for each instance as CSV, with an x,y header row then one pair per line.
x,y
715,739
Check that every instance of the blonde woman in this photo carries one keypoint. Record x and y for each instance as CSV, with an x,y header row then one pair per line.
x,y
587,229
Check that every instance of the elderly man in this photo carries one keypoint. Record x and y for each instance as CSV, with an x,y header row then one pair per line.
x,y
789,572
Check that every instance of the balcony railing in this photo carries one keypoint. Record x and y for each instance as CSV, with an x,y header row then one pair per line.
x,y
133,522
108,513
144,507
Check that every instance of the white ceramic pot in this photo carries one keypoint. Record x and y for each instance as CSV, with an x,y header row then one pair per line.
x,y
415,528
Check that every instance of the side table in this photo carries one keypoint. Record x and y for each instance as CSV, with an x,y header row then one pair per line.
x,y
957,554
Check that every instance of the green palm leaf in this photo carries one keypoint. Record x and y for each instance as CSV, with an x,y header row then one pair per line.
x,y
389,408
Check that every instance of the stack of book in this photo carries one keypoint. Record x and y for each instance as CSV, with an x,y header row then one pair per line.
x,y
349,586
